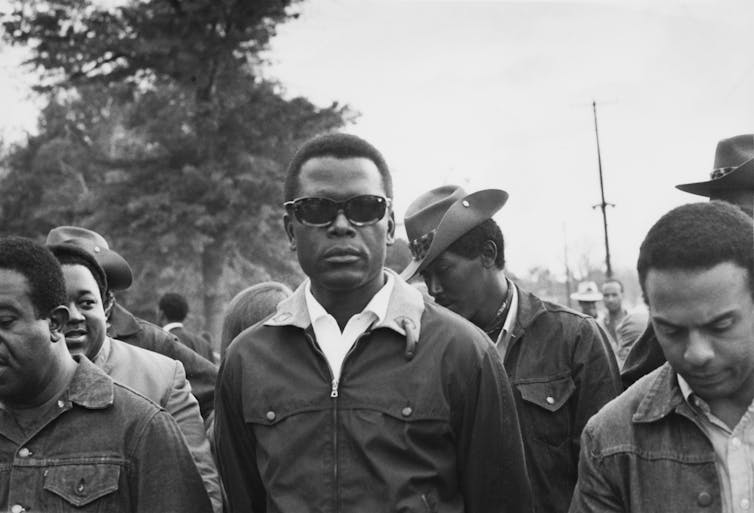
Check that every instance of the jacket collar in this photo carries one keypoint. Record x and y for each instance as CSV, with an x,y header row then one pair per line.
x,y
122,322
662,397
529,308
404,310
90,387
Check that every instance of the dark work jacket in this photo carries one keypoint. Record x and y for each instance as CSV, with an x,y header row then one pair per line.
x,y
101,447
563,371
422,418
645,453
194,342
200,372
645,356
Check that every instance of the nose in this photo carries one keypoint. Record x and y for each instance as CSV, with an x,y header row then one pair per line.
x,y
74,315
434,287
699,350
341,225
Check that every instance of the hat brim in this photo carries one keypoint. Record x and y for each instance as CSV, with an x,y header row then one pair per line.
x,y
461,217
587,297
740,178
119,274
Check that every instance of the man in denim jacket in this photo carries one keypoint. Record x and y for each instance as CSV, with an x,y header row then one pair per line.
x,y
70,438
682,437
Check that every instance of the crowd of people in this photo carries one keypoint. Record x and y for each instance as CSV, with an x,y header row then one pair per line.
x,y
360,391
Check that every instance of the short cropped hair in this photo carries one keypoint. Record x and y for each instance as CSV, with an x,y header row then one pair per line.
x,y
250,306
614,280
698,236
471,243
174,306
74,255
340,146
41,270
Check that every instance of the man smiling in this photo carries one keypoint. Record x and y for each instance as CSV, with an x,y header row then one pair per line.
x,y
683,436
356,395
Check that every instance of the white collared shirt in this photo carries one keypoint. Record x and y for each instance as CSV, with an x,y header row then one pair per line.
x,y
734,451
503,340
336,344
172,325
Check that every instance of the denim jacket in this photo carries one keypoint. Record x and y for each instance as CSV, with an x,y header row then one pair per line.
x,y
101,447
645,453
422,419
563,371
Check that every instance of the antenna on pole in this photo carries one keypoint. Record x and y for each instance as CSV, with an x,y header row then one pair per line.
x,y
603,205
567,268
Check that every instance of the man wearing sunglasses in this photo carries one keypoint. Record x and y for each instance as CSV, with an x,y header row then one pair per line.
x,y
357,395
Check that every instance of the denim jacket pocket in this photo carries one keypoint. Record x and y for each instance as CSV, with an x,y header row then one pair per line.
x,y
82,484
543,409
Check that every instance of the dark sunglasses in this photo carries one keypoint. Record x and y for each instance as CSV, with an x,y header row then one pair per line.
x,y
359,210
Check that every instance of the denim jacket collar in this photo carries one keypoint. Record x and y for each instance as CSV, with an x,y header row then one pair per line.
x,y
662,398
529,308
403,315
90,387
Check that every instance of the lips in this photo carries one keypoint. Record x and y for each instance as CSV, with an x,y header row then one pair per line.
x,y
75,339
342,255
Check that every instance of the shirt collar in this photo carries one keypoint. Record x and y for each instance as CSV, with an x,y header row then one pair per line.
x,y
172,325
377,305
685,388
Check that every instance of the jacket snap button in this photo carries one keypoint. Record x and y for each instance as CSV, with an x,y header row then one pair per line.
x,y
61,404
704,499
24,452
271,415
80,489
407,411
17,508
550,399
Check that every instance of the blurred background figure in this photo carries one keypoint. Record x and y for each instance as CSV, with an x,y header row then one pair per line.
x,y
172,311
250,306
623,326
587,294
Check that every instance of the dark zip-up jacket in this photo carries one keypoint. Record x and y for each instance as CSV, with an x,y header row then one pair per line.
x,y
563,371
422,418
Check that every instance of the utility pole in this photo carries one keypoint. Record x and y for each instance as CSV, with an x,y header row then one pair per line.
x,y
603,205
567,268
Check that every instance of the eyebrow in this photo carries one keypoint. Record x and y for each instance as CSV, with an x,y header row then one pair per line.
x,y
716,319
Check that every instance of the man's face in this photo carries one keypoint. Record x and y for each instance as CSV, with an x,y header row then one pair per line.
x,y
456,282
26,349
589,308
704,321
612,297
341,256
87,326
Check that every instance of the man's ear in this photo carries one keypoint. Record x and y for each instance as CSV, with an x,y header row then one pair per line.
x,y
108,302
58,319
390,228
288,226
489,254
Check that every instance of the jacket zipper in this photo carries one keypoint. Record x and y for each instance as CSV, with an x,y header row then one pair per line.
x,y
334,384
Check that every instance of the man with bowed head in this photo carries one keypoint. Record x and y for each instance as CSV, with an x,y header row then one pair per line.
x,y
682,437
357,395
71,439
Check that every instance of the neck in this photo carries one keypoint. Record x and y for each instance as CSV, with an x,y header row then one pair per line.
x,y
494,294
59,375
344,304
617,314
730,409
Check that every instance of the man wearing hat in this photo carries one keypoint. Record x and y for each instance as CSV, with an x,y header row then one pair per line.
x,y
732,181
587,294
561,367
124,326
153,375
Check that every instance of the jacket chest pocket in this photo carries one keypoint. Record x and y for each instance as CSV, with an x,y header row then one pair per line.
x,y
544,409
83,487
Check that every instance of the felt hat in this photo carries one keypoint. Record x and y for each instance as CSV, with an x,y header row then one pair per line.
x,y
587,291
117,270
441,216
733,168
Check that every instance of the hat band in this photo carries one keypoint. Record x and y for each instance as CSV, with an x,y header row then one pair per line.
x,y
420,245
721,172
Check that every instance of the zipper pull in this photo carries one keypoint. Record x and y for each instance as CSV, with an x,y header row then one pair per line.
x,y
334,389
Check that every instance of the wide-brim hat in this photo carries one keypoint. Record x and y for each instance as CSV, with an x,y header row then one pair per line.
x,y
587,291
441,216
117,270
62,250
733,168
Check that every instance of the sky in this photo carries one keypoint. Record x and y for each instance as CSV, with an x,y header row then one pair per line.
x,y
499,95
